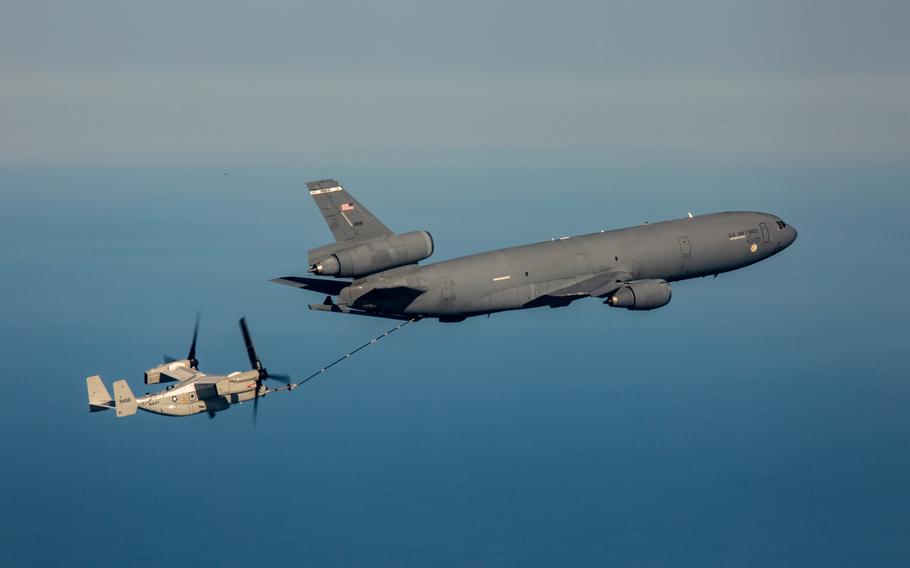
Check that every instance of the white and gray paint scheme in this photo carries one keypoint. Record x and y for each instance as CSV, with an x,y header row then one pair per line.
x,y
194,392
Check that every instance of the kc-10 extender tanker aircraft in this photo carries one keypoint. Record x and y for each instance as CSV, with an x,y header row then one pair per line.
x,y
630,268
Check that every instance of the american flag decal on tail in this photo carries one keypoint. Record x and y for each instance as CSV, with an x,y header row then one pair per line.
x,y
346,217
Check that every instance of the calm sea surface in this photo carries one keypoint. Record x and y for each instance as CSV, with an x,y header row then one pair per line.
x,y
761,419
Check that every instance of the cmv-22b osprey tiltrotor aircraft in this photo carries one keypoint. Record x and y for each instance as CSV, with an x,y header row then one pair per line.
x,y
195,391
630,268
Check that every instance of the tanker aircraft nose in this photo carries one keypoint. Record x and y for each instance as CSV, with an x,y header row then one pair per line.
x,y
792,236
787,233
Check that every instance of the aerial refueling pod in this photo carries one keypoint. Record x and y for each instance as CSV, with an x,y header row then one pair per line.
x,y
373,256
641,295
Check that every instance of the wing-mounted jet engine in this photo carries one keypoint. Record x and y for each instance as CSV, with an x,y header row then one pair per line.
x,y
641,295
195,391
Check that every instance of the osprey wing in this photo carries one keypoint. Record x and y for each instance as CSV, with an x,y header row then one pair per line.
x,y
179,374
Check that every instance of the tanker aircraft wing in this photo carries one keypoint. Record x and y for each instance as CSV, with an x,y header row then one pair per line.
x,y
597,286
348,220
393,298
329,306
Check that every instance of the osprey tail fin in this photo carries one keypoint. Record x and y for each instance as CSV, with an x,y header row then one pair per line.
x,y
98,397
125,402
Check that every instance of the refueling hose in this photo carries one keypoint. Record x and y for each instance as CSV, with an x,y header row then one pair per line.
x,y
376,339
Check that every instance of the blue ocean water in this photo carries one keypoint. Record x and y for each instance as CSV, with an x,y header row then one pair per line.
x,y
760,419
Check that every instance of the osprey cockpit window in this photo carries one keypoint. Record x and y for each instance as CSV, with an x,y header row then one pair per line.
x,y
781,225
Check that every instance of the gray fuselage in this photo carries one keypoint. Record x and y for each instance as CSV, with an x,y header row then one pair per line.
x,y
525,276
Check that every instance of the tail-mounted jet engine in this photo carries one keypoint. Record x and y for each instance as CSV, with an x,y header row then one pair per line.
x,y
641,295
371,256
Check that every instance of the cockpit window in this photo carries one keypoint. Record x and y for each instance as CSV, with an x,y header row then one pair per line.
x,y
781,224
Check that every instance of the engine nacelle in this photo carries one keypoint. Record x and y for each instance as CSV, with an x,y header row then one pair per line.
x,y
376,255
153,376
641,295
237,382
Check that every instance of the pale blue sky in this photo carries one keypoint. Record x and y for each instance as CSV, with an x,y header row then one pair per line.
x,y
388,83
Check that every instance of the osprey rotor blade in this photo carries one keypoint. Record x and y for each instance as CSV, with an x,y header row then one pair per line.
x,y
194,363
256,402
250,349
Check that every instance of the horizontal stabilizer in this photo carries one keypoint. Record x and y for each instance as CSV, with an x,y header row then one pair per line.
x,y
323,286
98,397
